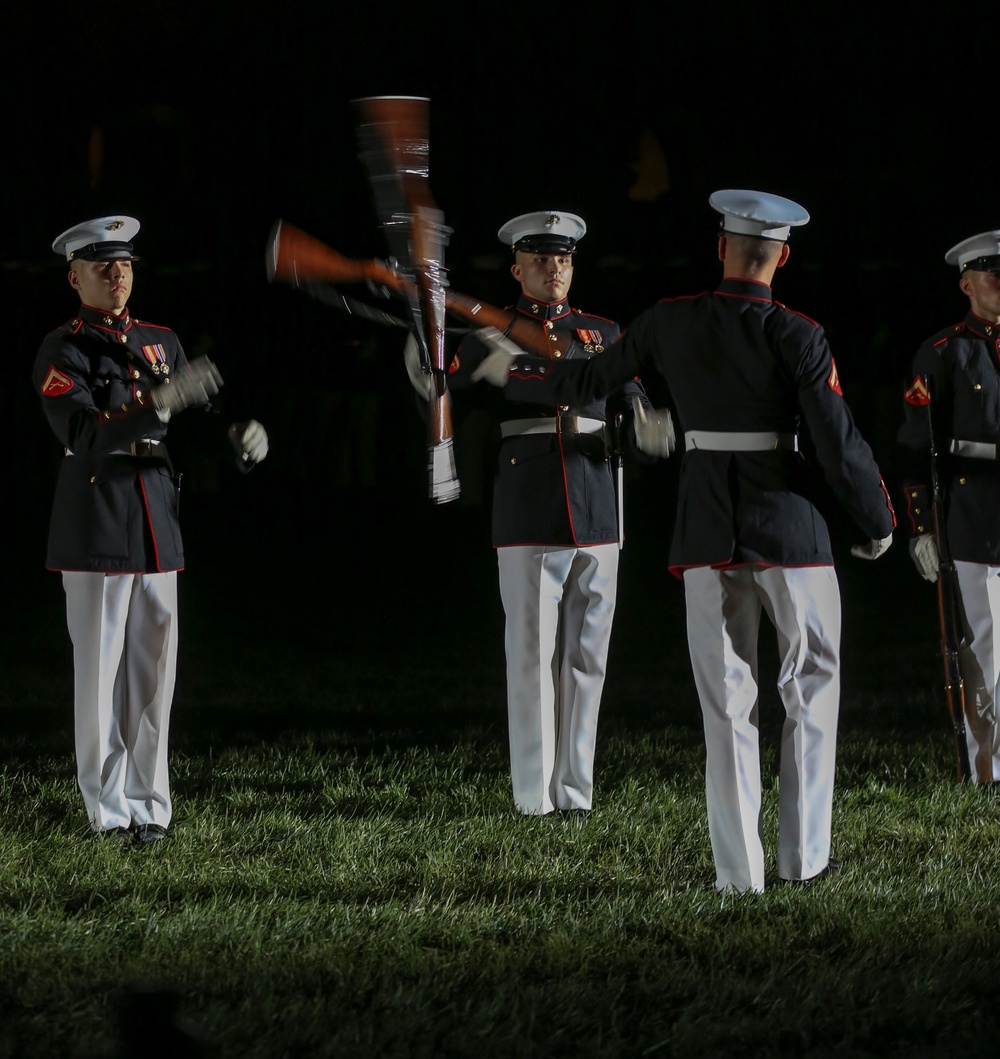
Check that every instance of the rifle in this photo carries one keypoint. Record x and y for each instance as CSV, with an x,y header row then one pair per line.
x,y
948,597
298,258
394,146
618,456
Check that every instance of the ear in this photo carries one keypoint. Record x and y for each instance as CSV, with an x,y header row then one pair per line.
x,y
964,285
74,279
783,257
516,271
722,248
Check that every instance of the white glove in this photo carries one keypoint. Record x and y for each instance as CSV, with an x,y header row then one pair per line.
x,y
873,549
924,553
192,385
495,366
654,431
420,380
249,441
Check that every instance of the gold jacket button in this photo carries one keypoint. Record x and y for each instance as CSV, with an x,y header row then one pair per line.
x,y
977,386
93,478
123,339
513,460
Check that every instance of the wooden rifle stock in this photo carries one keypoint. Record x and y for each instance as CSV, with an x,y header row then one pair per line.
x,y
948,600
295,257
394,142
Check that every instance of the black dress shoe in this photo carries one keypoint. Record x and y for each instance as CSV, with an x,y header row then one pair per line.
x,y
119,836
148,833
115,836
833,868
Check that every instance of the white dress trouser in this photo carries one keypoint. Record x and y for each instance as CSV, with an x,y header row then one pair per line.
x,y
723,619
979,585
124,633
559,604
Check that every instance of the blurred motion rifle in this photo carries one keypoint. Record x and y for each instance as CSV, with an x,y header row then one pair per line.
x,y
393,136
948,599
297,258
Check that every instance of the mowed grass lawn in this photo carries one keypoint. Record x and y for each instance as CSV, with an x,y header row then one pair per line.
x,y
346,876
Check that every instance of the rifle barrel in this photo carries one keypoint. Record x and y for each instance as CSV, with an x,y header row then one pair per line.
x,y
948,596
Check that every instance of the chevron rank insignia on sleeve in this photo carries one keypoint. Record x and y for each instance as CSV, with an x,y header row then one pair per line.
x,y
834,381
917,393
56,383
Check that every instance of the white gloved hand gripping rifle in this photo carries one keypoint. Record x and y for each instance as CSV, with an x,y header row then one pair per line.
x,y
924,553
420,377
193,385
495,366
654,431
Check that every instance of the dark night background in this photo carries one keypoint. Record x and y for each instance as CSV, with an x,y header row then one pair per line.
x,y
208,121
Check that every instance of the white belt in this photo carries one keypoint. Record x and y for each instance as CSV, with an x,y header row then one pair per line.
x,y
740,440
136,448
978,450
552,425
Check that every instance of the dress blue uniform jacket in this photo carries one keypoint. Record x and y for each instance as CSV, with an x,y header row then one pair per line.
x,y
961,366
113,511
554,488
737,361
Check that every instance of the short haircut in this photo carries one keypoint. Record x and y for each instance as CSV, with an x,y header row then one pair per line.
x,y
752,250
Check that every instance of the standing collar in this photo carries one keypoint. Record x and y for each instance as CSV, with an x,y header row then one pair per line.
x,y
543,310
983,328
100,318
744,288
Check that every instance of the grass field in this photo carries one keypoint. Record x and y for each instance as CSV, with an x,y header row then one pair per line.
x,y
346,876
